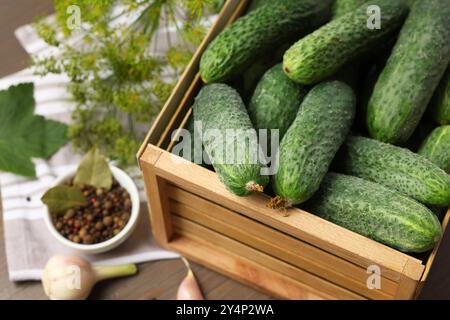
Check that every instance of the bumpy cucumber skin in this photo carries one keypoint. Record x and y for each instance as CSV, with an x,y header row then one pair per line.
x,y
251,36
219,106
311,142
436,147
320,54
406,84
440,103
342,7
376,212
396,168
256,4
410,2
246,82
276,101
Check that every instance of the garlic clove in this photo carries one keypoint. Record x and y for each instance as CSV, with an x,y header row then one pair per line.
x,y
189,288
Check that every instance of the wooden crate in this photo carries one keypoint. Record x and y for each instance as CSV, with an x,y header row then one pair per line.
x,y
300,256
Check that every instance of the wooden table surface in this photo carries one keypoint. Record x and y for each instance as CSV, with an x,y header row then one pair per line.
x,y
156,280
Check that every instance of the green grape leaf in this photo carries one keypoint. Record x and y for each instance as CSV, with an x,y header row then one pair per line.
x,y
24,135
94,171
60,198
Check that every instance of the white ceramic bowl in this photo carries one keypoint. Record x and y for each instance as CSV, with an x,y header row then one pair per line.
x,y
127,183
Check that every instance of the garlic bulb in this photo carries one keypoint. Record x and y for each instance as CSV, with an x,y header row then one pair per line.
x,y
72,278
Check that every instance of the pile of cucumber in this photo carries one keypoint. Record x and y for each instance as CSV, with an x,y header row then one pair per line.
x,y
351,95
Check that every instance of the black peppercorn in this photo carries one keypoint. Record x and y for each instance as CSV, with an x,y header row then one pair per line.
x,y
107,213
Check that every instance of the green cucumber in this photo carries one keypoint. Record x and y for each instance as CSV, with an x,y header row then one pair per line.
x,y
417,63
255,34
376,212
349,73
251,76
440,103
342,7
204,161
219,107
436,147
311,142
320,54
369,74
396,168
275,102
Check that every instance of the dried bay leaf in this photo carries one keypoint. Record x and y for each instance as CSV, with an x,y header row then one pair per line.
x,y
94,171
60,198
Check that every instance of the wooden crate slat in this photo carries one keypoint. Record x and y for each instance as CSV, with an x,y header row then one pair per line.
x,y
242,269
176,121
407,287
300,224
356,283
287,249
270,262
433,254
157,199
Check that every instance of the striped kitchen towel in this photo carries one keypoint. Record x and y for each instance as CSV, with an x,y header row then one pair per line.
x,y
28,243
